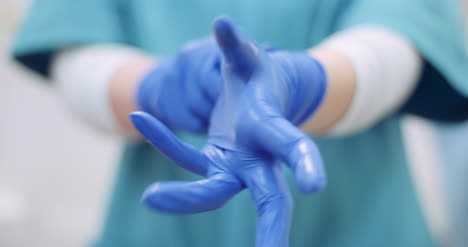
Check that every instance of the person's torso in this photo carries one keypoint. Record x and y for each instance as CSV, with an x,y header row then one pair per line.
x,y
369,200
162,26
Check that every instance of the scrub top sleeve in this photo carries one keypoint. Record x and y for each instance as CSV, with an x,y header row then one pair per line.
x,y
53,24
436,29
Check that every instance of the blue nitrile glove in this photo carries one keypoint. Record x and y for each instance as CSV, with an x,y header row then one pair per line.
x,y
252,130
182,91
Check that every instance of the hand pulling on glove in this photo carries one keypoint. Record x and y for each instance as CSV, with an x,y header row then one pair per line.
x,y
182,91
252,130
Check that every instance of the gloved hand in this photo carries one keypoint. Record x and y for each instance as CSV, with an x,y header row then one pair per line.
x,y
252,130
181,92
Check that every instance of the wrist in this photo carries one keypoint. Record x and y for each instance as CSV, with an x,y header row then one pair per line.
x,y
308,84
123,85
149,88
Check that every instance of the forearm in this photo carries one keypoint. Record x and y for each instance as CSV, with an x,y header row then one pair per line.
x,y
370,71
122,91
99,81
341,86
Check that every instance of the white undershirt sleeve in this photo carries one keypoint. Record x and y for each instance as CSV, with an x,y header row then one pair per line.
x,y
387,69
82,76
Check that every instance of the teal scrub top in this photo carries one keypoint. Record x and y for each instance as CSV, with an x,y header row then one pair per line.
x,y
452,140
370,199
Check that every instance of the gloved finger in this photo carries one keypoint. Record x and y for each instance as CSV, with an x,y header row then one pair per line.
x,y
192,197
268,188
238,51
169,144
286,142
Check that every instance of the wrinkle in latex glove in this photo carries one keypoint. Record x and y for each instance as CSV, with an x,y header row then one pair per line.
x,y
250,134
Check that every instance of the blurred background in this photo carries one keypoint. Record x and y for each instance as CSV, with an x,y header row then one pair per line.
x,y
56,172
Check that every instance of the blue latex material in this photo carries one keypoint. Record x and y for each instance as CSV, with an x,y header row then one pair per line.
x,y
182,91
252,130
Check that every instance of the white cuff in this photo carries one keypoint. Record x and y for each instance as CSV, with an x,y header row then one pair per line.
x,y
387,70
82,76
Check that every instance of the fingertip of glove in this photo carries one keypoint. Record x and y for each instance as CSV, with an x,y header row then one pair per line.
x,y
222,23
137,117
312,185
310,178
224,32
148,196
